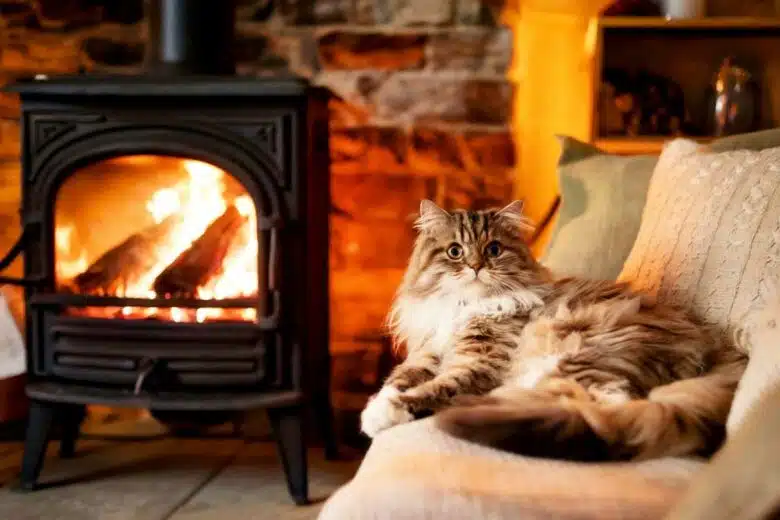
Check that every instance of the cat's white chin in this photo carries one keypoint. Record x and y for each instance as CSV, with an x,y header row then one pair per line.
x,y
383,412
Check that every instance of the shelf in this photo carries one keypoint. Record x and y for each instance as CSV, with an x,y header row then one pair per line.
x,y
706,23
642,145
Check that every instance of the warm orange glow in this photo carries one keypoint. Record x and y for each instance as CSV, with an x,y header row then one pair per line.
x,y
241,262
68,264
556,67
196,204
191,206
176,314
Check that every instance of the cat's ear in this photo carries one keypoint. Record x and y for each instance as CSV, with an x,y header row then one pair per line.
x,y
431,216
513,208
513,215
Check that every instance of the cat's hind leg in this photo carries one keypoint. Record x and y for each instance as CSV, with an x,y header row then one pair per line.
x,y
533,422
683,418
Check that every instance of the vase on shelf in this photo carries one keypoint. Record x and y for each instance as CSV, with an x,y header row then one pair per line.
x,y
733,100
684,9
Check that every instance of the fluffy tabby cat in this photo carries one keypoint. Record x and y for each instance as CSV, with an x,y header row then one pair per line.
x,y
514,358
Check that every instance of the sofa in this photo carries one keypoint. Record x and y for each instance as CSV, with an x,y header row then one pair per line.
x,y
698,225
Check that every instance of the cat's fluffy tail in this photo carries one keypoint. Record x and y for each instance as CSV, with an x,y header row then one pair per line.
x,y
686,417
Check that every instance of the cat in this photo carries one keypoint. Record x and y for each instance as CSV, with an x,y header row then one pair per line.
x,y
507,355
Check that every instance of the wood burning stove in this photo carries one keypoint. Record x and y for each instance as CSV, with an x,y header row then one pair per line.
x,y
175,241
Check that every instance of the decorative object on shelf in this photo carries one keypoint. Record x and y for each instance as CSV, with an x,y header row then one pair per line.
x,y
677,9
641,104
633,8
733,100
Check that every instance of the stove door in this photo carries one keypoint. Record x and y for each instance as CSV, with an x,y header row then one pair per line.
x,y
157,227
160,280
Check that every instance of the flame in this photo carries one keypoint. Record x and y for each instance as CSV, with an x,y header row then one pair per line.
x,y
196,202
68,265
241,264
163,204
193,204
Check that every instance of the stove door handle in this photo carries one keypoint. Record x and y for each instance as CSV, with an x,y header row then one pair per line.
x,y
145,367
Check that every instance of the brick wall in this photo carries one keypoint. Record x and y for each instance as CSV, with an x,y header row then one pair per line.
x,y
421,110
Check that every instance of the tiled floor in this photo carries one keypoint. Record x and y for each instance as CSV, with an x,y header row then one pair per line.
x,y
156,478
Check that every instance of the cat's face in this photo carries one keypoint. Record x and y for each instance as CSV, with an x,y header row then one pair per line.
x,y
469,253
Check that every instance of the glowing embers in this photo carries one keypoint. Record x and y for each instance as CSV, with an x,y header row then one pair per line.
x,y
159,227
176,314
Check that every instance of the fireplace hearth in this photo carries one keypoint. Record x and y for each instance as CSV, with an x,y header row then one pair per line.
x,y
175,241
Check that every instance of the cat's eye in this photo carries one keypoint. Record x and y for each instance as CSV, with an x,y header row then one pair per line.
x,y
454,251
493,249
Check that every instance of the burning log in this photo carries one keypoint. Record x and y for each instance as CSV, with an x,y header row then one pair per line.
x,y
124,264
202,260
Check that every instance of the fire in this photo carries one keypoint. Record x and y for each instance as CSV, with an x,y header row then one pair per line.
x,y
241,265
181,213
68,264
164,203
195,203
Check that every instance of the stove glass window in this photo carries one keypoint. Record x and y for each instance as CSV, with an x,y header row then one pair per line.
x,y
153,227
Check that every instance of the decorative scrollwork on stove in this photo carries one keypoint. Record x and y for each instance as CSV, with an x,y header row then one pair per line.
x,y
45,129
267,137
268,134
46,132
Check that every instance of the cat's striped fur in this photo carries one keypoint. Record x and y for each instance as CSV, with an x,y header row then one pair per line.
x,y
511,357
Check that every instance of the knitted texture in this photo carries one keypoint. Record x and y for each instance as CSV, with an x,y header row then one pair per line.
x,y
759,336
710,230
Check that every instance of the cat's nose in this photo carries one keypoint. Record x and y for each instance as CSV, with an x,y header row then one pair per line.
x,y
476,267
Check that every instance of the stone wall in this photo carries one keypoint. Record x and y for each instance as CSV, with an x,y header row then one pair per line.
x,y
421,110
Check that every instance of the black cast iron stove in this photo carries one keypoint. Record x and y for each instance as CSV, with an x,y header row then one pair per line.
x,y
175,241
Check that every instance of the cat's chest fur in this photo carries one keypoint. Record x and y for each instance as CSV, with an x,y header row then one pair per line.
x,y
434,324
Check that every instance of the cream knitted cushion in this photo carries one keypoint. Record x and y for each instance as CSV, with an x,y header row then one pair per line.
x,y
710,230
759,336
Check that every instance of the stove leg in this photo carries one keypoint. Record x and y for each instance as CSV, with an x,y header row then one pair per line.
x,y
287,425
38,432
323,410
72,417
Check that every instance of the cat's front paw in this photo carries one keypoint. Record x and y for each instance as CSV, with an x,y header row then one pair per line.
x,y
383,411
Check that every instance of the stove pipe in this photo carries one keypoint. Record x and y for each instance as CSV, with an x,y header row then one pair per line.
x,y
191,37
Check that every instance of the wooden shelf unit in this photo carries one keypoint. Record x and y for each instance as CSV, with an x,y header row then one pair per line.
x,y
688,52
705,24
562,48
639,145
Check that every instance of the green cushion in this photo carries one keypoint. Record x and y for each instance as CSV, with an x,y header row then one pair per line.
x,y
602,198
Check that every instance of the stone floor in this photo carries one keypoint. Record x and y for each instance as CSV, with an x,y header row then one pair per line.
x,y
152,476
